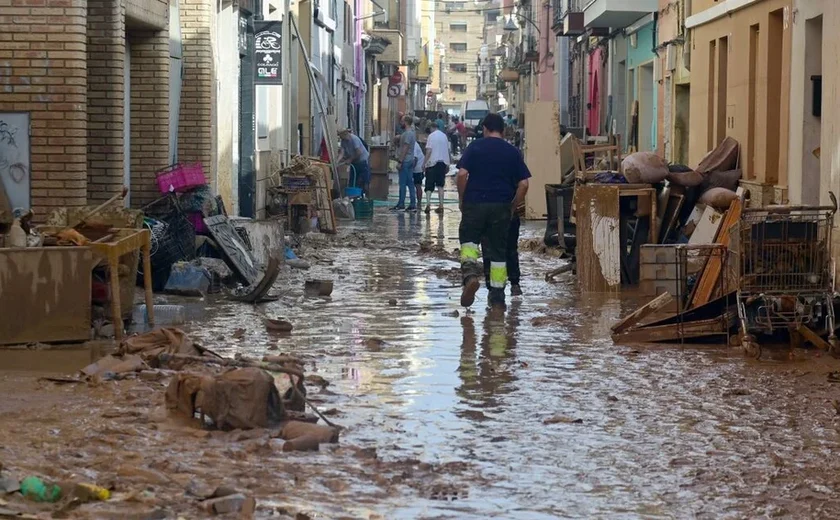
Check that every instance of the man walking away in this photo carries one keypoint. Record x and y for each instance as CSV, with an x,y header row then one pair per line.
x,y
511,255
492,182
419,162
438,160
353,151
405,159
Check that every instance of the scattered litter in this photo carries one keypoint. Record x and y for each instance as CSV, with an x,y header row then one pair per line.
x,y
556,419
38,490
278,325
318,287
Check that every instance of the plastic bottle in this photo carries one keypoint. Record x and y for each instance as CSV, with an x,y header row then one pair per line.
x,y
36,489
90,492
17,236
164,314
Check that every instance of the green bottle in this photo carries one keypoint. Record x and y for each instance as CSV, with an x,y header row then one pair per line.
x,y
36,489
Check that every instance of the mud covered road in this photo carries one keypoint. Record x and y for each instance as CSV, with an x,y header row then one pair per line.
x,y
450,416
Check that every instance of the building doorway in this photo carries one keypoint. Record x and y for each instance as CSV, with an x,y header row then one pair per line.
x,y
682,97
646,108
812,121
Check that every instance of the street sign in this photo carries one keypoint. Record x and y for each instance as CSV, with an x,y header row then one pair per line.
x,y
394,90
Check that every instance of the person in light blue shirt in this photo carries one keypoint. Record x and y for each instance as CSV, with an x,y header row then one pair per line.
x,y
440,122
354,152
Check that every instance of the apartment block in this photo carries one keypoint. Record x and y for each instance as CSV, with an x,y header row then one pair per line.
x,y
459,27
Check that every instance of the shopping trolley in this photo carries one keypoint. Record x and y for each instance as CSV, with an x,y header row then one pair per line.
x,y
785,272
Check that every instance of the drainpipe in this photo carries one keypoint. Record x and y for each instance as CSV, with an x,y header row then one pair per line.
x,y
686,5
610,64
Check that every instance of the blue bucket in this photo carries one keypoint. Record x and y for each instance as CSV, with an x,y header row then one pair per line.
x,y
352,191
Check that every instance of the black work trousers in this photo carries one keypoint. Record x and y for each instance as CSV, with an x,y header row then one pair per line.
x,y
487,225
511,253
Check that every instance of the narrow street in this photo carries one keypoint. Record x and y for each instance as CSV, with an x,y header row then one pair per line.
x,y
463,417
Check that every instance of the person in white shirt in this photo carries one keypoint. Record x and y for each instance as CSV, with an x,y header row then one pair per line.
x,y
419,161
438,160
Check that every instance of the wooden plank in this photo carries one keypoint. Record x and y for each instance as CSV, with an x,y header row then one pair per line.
x,y
641,313
670,214
678,331
710,275
813,338
323,198
543,154
598,243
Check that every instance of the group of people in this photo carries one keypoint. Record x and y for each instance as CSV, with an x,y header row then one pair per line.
x,y
492,182
414,165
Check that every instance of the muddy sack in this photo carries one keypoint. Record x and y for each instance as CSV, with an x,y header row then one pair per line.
x,y
645,168
718,198
722,158
243,398
688,178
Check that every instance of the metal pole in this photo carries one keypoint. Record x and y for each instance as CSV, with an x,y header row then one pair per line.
x,y
320,102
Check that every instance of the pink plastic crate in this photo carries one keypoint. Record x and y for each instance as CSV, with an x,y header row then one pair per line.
x,y
197,220
180,177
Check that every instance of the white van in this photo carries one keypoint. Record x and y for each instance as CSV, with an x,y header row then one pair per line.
x,y
473,112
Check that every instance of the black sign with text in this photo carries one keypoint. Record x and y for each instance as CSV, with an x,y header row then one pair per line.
x,y
268,51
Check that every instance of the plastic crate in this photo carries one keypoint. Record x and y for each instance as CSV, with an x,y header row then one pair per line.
x,y
180,177
363,208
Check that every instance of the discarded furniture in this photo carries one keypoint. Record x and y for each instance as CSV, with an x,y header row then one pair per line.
x,y
234,251
379,183
607,248
559,229
602,155
126,242
45,294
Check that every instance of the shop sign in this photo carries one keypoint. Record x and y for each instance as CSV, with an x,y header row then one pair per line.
x,y
268,50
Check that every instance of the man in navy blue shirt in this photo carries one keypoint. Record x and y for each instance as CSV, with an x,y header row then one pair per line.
x,y
492,183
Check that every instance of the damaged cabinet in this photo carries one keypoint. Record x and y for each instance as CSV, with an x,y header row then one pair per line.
x,y
45,294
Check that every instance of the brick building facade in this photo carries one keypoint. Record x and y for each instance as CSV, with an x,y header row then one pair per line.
x,y
94,77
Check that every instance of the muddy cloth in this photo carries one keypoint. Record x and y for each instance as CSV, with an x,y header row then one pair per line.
x,y
722,158
486,224
163,340
243,398
511,254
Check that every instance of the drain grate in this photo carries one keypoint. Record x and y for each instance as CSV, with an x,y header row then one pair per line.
x,y
448,492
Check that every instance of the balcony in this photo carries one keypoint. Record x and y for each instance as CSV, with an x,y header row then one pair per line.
x,y
568,18
616,13
393,52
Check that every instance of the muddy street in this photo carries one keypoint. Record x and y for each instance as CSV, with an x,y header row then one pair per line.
x,y
448,414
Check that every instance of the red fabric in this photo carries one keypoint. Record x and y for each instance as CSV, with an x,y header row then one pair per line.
x,y
325,153
593,121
